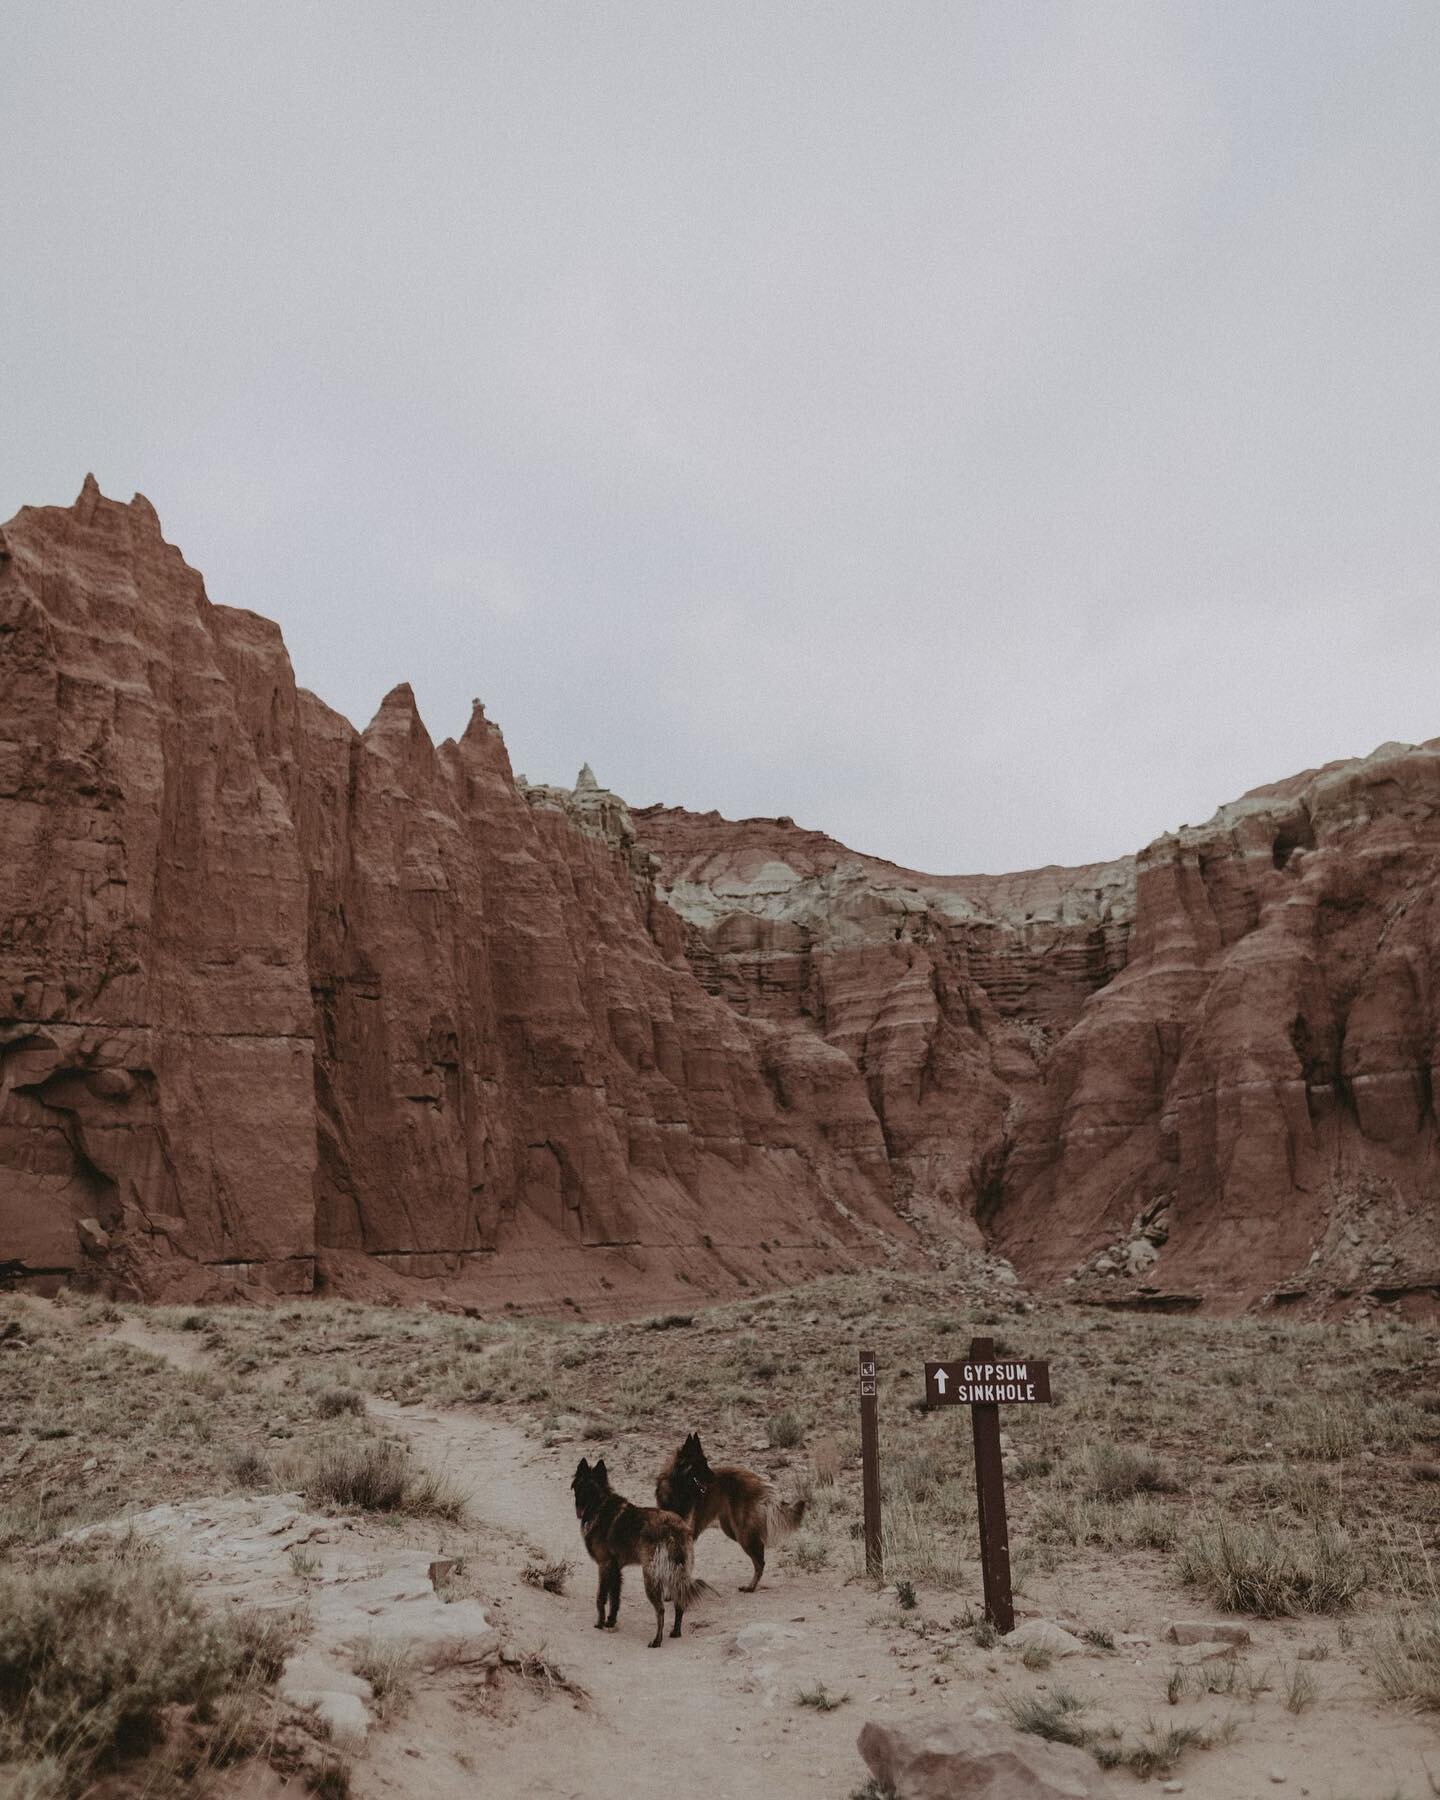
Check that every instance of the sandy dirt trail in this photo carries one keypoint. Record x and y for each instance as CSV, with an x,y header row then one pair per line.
x,y
716,1707
701,1708
717,1711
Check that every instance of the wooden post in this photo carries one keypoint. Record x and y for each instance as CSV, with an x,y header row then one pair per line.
x,y
870,1465
990,1503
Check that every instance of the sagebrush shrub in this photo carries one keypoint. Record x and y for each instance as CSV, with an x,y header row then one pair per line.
x,y
92,1651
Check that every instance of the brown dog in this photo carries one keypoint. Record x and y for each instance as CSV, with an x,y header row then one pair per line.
x,y
617,1534
743,1504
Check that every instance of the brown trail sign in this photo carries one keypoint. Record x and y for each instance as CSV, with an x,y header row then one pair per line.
x,y
984,1382
870,1466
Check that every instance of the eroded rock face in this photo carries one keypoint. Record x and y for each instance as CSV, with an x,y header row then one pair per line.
x,y
281,1002
281,996
155,1018
1260,1076
1199,1076
936,995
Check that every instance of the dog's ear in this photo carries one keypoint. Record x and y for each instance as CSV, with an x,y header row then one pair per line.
x,y
601,1473
582,1469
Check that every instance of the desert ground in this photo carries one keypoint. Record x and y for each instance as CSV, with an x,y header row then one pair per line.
x,y
331,1548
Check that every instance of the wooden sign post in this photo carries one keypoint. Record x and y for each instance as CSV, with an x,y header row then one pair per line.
x,y
985,1383
870,1467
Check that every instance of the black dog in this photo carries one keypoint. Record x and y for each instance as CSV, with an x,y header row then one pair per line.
x,y
617,1533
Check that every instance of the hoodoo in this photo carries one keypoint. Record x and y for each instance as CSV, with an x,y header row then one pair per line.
x,y
287,1003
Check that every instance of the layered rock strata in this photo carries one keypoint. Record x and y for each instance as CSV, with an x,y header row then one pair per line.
x,y
283,1003
283,998
1199,1076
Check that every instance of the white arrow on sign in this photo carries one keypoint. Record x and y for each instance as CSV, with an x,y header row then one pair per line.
x,y
940,1380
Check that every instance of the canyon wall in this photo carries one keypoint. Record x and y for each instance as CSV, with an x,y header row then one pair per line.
x,y
283,1002
1201,1076
286,1005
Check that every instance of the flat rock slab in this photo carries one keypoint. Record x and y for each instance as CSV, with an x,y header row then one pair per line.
x,y
972,1756
764,1647
237,1549
1044,1634
1205,1631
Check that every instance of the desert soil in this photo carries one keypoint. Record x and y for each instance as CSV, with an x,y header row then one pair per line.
x,y
718,1711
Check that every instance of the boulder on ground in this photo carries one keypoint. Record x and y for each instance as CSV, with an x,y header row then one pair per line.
x,y
975,1757
1044,1634
1141,1257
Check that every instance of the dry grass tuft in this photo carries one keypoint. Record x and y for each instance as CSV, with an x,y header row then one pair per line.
x,y
542,1676
334,1402
329,1779
1259,1570
377,1475
820,1698
550,1576
785,1430
825,1457
1054,1716
250,1469
1405,1660
1118,1471
391,1673
1300,1690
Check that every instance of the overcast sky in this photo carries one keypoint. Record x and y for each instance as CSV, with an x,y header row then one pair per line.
x,y
995,434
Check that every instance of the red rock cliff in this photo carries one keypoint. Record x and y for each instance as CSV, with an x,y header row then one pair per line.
x,y
283,1003
280,996
1199,1076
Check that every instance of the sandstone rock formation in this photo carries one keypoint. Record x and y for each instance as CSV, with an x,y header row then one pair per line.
x,y
1199,1076
942,993
283,1003
278,996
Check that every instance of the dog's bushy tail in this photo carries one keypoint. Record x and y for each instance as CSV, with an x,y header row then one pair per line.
x,y
783,1516
671,1569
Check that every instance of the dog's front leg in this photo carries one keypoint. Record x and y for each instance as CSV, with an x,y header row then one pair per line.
x,y
616,1575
